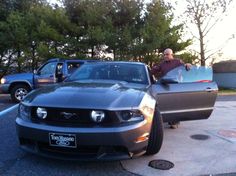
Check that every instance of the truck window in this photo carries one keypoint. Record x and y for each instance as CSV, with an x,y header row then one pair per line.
x,y
48,69
72,66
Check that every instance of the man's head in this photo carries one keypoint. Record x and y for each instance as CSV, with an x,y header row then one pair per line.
x,y
168,54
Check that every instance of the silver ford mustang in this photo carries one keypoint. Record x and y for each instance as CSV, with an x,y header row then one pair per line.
x,y
111,110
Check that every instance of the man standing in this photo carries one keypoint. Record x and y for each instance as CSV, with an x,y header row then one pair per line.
x,y
168,64
165,66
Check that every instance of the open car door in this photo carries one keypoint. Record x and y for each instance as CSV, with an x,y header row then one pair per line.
x,y
45,75
186,95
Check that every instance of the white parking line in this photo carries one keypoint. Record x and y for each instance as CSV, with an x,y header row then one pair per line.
x,y
8,110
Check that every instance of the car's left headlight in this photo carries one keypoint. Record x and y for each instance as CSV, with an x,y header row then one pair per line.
x,y
3,80
130,116
24,111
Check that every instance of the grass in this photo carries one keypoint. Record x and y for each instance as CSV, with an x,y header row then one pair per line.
x,y
228,91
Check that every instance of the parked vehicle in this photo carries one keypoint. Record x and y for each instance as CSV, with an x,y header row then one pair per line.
x,y
111,110
51,72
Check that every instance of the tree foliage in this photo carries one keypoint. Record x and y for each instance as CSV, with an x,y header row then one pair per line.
x,y
34,31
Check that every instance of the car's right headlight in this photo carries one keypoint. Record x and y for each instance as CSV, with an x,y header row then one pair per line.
x,y
3,80
24,111
130,116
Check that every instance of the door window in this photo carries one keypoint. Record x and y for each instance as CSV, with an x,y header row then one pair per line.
x,y
48,69
195,74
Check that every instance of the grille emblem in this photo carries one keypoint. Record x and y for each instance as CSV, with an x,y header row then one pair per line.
x,y
68,115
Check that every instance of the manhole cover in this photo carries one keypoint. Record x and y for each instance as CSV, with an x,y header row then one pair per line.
x,y
227,133
161,164
200,137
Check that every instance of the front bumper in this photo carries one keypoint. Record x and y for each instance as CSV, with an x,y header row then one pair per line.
x,y
95,143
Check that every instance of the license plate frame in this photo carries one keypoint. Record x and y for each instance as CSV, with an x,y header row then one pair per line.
x,y
65,140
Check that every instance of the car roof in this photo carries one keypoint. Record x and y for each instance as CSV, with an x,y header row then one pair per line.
x,y
94,60
122,62
71,60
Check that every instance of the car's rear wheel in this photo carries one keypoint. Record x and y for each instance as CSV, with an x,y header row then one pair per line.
x,y
156,135
18,92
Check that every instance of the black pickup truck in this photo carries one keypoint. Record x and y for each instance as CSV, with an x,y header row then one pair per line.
x,y
51,72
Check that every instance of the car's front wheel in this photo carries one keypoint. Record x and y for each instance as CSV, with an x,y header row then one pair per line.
x,y
156,135
18,92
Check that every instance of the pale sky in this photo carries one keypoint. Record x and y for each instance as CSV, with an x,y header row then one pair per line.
x,y
219,35
218,38
225,29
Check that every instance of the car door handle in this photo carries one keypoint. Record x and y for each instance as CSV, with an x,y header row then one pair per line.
x,y
208,89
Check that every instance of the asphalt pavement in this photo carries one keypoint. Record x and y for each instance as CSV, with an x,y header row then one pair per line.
x,y
5,102
204,147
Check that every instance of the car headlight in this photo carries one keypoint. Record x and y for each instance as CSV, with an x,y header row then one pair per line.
x,y
147,106
24,111
3,80
41,113
130,116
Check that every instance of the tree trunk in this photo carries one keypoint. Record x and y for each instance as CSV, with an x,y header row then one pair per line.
x,y
34,64
92,52
18,61
202,50
114,53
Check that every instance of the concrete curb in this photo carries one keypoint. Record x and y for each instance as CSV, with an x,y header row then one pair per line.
x,y
219,94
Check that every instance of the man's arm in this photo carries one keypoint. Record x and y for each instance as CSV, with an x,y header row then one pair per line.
x,y
155,69
187,65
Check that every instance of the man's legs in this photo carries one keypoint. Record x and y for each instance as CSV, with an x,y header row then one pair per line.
x,y
174,125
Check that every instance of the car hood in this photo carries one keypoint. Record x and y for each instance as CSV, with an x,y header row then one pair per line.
x,y
108,96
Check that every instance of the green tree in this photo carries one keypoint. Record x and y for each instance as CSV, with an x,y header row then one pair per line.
x,y
159,33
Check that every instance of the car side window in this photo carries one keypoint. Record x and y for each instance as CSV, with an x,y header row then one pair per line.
x,y
195,74
48,69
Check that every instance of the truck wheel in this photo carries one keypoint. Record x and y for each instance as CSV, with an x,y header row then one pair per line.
x,y
18,92
156,135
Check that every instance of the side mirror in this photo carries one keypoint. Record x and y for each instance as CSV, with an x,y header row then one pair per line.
x,y
168,81
35,71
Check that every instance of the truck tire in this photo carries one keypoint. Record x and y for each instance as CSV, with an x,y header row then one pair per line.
x,y
156,135
18,92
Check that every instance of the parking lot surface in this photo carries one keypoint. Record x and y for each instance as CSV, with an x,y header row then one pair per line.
x,y
201,147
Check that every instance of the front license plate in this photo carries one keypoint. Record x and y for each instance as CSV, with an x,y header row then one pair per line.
x,y
62,140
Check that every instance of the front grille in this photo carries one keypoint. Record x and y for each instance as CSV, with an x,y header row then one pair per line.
x,y
76,117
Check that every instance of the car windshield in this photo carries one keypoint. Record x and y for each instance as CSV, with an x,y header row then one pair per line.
x,y
131,73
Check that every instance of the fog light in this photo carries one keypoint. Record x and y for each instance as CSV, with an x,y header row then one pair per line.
x,y
41,113
97,116
142,138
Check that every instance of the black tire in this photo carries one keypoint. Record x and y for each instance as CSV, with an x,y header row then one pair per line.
x,y
156,135
18,92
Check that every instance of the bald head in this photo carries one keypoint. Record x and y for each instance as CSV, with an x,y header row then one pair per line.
x,y
168,54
